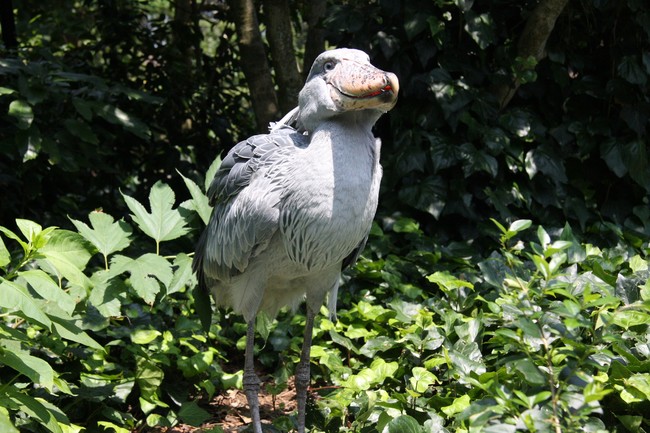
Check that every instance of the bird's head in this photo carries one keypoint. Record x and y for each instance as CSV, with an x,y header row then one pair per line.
x,y
343,82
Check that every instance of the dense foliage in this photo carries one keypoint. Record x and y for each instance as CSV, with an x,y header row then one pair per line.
x,y
505,284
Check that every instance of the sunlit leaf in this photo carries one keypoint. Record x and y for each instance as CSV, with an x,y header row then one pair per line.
x,y
163,223
38,370
22,112
15,297
199,202
106,234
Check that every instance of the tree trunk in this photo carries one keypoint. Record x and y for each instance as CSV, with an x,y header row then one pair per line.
x,y
254,63
314,12
280,36
8,25
532,41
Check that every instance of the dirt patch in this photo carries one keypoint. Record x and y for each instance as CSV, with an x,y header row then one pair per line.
x,y
230,411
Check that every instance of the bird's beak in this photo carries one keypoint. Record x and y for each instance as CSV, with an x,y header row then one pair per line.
x,y
360,86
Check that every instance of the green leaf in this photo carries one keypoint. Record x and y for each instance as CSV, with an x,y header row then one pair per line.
x,y
149,377
43,284
114,427
480,28
36,409
22,112
199,203
629,318
6,91
36,369
81,130
447,281
5,257
68,330
406,225
212,170
404,424
183,273
530,372
144,336
68,253
630,70
29,229
421,379
107,235
192,414
107,293
128,121
163,223
15,297
6,425
459,404
142,270
519,226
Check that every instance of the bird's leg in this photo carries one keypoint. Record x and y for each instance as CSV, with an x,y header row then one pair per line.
x,y
251,381
302,370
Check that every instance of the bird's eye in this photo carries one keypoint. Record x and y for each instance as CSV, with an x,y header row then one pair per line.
x,y
328,66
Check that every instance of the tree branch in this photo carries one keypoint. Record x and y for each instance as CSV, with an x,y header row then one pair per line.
x,y
532,42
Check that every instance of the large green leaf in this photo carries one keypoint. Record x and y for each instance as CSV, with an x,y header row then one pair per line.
x,y
22,112
6,424
5,257
67,329
46,414
142,271
106,234
36,369
16,297
68,253
43,284
192,414
199,202
163,223
403,424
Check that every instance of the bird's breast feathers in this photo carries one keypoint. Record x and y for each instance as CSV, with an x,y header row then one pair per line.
x,y
326,216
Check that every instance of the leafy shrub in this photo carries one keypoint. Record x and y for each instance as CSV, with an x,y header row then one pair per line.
x,y
544,334
88,331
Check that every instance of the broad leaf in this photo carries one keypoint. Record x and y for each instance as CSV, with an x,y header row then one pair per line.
x,y
199,202
403,424
22,112
106,234
68,253
43,284
142,271
192,414
183,273
5,257
163,223
6,425
68,330
36,369
16,297
36,409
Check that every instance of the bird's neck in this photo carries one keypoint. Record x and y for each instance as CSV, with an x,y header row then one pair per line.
x,y
349,133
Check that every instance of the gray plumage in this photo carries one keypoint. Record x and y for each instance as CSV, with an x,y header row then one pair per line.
x,y
293,207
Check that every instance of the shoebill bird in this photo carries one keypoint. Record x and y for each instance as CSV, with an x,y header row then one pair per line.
x,y
293,207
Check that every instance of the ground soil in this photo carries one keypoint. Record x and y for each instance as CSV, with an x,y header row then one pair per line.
x,y
230,411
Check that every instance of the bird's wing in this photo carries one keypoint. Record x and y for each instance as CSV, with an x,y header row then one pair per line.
x,y
245,194
352,258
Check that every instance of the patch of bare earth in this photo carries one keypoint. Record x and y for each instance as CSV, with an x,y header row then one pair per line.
x,y
229,411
